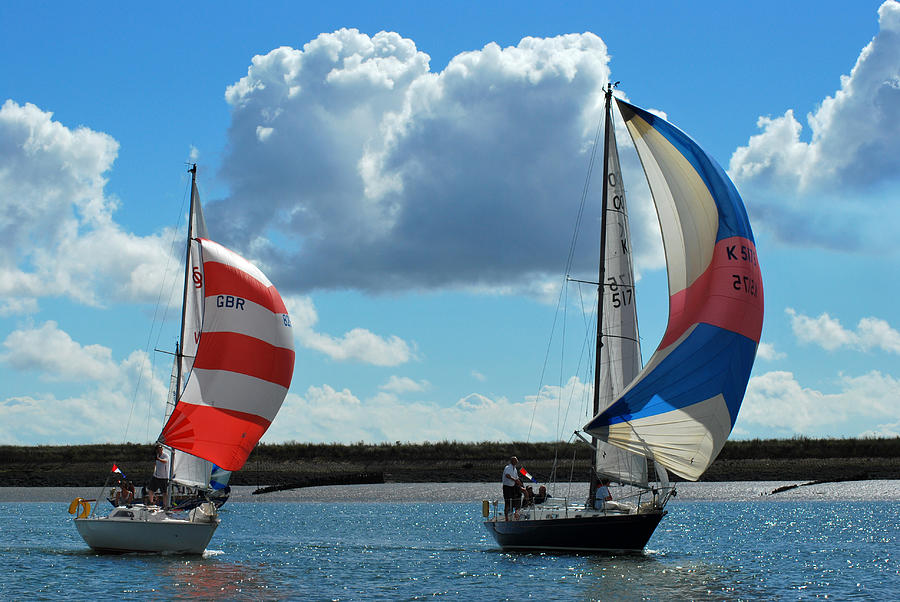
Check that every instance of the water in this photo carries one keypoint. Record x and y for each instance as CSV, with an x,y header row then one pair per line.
x,y
397,542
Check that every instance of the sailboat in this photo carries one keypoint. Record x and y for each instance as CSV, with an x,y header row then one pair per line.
x,y
233,370
679,409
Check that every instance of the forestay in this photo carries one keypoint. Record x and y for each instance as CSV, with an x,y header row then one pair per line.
x,y
682,406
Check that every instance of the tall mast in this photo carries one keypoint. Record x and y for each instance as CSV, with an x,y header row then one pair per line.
x,y
187,277
600,284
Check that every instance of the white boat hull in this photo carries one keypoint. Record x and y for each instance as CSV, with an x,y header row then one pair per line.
x,y
143,529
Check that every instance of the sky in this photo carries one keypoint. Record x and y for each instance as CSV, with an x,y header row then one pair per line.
x,y
408,175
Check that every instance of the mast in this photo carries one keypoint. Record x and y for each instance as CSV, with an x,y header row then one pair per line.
x,y
179,346
187,276
600,284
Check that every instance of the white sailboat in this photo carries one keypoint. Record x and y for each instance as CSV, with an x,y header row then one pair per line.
x,y
236,361
680,408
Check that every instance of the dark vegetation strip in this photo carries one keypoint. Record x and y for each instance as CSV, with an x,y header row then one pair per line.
x,y
451,461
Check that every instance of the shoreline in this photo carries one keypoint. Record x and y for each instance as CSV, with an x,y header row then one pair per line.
x,y
887,490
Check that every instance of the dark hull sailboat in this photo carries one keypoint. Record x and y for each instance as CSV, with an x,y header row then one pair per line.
x,y
679,409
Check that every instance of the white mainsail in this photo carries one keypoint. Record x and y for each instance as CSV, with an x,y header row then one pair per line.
x,y
620,353
188,469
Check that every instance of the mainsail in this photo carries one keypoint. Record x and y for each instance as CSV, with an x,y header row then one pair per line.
x,y
186,469
237,355
682,406
193,296
620,353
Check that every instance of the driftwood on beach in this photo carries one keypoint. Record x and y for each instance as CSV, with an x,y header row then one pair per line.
x,y
273,465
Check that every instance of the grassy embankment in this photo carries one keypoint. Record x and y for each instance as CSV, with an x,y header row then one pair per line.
x,y
752,460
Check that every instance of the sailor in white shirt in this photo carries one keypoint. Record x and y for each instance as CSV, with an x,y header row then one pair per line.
x,y
512,487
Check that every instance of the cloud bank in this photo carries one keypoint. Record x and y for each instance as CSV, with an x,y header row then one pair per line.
x,y
777,401
325,414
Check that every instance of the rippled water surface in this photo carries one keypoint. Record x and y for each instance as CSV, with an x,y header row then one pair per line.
x,y
396,542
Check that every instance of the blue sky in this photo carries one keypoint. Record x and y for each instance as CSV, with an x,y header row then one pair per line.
x,y
408,176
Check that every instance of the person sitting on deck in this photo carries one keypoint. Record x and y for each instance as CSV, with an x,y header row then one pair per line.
x,y
541,496
124,492
603,494
529,497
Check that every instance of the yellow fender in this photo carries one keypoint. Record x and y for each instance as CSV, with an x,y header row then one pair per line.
x,y
85,507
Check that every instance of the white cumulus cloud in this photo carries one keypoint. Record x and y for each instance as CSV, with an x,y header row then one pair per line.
x,y
57,233
325,414
824,191
389,176
403,384
828,333
767,351
110,408
358,344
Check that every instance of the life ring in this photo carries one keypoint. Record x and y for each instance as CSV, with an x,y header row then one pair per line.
x,y
85,507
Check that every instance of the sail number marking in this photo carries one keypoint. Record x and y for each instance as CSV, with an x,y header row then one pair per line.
x,y
287,320
745,284
742,282
746,254
230,302
618,297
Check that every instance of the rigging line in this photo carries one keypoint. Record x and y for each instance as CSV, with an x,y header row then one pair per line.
x,y
147,347
584,347
546,358
569,258
571,472
176,233
562,362
584,193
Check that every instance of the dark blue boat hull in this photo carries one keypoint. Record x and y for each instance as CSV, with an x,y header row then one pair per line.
x,y
611,533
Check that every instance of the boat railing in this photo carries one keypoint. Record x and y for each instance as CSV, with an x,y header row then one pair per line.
x,y
649,500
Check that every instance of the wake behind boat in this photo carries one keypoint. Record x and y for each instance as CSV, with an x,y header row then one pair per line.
x,y
232,371
680,408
